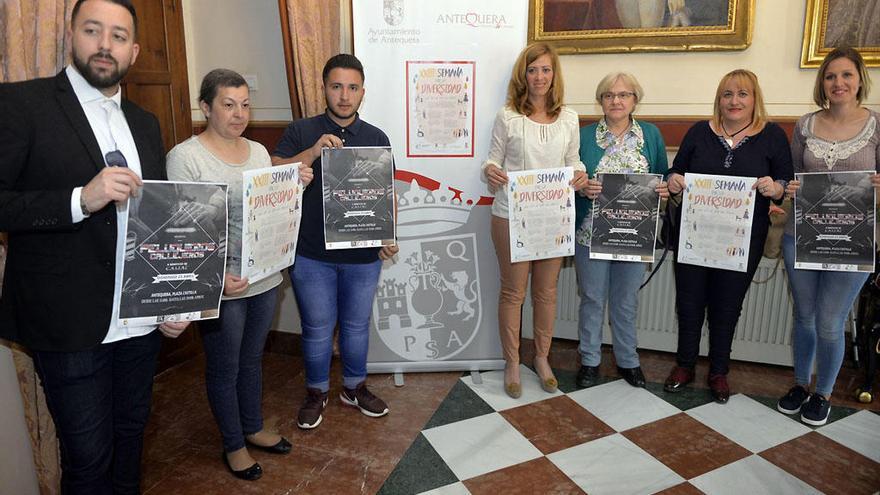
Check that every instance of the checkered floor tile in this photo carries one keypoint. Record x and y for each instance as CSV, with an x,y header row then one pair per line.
x,y
613,438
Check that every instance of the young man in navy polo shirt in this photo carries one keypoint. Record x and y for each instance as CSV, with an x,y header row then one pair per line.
x,y
337,285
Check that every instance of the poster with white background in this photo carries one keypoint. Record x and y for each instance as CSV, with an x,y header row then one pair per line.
x,y
272,209
716,221
541,219
440,109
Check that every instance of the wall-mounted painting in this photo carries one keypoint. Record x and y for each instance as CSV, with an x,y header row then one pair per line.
x,y
833,23
607,26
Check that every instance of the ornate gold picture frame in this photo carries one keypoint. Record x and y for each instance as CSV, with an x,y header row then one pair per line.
x,y
833,23
609,26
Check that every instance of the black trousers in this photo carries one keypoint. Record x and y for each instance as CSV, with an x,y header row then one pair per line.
x,y
703,292
100,401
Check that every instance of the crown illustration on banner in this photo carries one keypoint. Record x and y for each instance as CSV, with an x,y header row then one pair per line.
x,y
421,211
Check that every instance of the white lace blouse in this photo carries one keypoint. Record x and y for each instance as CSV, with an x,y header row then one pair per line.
x,y
519,143
810,153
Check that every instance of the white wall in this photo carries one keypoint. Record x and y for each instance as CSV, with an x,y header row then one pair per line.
x,y
684,83
17,473
244,36
681,83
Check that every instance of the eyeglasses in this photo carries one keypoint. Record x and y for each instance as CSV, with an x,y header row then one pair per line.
x,y
115,158
623,95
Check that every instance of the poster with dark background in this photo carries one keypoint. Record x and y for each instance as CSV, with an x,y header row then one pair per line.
x,y
358,191
625,218
175,253
834,221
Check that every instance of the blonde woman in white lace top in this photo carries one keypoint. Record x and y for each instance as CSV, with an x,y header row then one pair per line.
x,y
842,136
534,130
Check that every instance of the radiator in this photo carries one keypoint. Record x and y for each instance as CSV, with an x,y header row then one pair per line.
x,y
763,333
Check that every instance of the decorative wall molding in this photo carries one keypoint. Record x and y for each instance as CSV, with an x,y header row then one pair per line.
x,y
673,129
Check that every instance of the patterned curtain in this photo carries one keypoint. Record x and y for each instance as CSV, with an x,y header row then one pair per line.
x,y
32,45
32,38
314,37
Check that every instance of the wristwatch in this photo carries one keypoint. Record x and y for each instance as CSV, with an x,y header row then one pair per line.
x,y
83,207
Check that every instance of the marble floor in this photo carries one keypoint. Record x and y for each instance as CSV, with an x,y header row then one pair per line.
x,y
448,435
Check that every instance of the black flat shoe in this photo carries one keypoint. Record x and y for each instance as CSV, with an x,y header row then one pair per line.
x,y
282,447
633,376
252,473
587,376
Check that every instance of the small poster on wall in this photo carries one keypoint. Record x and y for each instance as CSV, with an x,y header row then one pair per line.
x,y
541,213
175,253
625,218
272,206
440,109
834,221
716,221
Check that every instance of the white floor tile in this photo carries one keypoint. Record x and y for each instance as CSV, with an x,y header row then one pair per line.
x,y
453,489
859,431
614,465
492,389
622,406
753,475
749,423
480,445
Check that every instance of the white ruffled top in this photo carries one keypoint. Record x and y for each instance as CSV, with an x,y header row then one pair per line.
x,y
519,143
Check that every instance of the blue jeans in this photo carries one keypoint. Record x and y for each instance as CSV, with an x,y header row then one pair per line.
x,y
325,293
100,401
615,283
822,300
234,356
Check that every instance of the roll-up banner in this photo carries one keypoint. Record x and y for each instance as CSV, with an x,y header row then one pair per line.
x,y
436,76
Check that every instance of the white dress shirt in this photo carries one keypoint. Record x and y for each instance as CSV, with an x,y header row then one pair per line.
x,y
111,130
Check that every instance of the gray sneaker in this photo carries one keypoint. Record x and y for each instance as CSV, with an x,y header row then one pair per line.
x,y
310,412
364,400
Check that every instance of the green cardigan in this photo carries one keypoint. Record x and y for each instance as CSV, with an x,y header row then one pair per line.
x,y
654,151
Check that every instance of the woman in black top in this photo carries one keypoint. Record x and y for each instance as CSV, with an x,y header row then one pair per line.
x,y
738,141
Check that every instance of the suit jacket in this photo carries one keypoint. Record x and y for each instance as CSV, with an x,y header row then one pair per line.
x,y
58,290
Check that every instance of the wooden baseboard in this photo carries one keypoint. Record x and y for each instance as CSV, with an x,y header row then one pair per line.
x,y
673,128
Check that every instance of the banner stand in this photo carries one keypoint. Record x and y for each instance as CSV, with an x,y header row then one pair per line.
x,y
436,75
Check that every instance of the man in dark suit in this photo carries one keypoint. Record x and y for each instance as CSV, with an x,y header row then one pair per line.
x,y
71,153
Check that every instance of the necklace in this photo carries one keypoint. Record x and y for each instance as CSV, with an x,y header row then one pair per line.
x,y
729,138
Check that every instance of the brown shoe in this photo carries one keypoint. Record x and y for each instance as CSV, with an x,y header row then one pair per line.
x,y
678,378
310,412
364,400
719,387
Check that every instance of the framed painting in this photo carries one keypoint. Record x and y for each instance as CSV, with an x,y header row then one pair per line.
x,y
833,23
613,26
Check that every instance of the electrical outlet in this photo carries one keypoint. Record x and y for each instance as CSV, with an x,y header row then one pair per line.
x,y
251,80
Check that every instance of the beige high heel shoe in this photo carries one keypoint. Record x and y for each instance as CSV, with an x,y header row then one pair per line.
x,y
550,385
513,389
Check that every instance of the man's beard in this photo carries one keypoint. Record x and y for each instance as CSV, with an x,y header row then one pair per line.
x,y
338,116
96,79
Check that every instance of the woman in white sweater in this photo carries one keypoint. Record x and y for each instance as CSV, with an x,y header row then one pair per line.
x,y
532,131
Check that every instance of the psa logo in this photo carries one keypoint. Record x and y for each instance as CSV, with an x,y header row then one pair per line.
x,y
428,306
392,11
